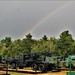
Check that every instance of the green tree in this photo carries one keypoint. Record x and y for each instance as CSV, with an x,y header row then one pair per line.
x,y
7,41
27,43
64,43
44,38
72,48
15,48
29,36
4,45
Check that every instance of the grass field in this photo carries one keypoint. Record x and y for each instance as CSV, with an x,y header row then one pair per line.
x,y
14,73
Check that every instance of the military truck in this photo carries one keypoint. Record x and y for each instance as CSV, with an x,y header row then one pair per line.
x,y
37,61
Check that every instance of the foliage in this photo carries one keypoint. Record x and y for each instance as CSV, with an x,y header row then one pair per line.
x,y
63,46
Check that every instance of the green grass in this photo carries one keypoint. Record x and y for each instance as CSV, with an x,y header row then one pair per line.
x,y
15,73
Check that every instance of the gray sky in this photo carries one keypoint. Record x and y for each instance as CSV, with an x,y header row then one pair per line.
x,y
18,18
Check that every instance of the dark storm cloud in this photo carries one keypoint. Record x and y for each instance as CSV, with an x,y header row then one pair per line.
x,y
61,20
17,18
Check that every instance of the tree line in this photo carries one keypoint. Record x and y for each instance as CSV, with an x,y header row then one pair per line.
x,y
62,46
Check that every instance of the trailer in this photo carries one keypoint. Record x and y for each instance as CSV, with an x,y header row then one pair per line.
x,y
37,61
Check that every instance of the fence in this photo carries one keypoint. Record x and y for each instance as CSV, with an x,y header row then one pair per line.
x,y
4,67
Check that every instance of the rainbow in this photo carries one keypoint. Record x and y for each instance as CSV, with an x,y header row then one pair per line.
x,y
48,16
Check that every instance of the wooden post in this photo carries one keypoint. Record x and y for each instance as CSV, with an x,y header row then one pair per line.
x,y
16,66
6,67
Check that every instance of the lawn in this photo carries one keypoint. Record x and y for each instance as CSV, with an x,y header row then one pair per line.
x,y
14,73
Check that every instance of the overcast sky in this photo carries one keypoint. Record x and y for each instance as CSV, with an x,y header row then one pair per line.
x,y
18,18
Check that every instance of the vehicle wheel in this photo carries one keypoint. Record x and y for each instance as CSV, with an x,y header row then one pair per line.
x,y
34,67
13,66
42,68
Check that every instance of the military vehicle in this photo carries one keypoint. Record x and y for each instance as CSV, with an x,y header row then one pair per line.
x,y
65,63
70,58
37,61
